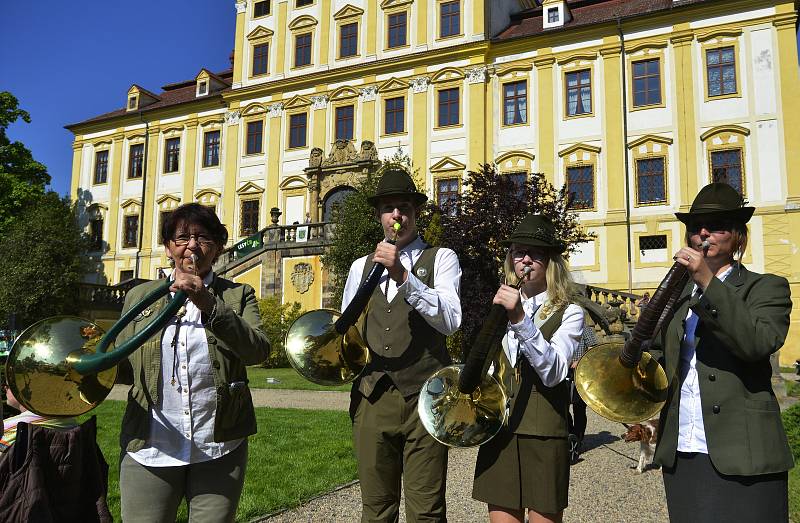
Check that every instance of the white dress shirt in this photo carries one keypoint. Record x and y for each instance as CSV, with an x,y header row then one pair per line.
x,y
691,430
552,360
440,305
182,424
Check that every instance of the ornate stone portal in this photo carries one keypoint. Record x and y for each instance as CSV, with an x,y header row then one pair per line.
x,y
343,167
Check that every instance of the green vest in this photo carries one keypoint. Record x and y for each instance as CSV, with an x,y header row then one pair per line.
x,y
403,346
536,410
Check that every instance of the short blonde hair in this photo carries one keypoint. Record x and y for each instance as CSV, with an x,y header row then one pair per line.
x,y
560,287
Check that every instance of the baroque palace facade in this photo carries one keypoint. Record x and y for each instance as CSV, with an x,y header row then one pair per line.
x,y
634,104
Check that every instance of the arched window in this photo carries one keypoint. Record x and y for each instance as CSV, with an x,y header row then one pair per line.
x,y
334,199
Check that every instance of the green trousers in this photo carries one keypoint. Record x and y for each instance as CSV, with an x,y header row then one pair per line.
x,y
390,442
211,488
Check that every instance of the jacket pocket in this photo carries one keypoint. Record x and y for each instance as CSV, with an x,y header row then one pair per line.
x,y
769,448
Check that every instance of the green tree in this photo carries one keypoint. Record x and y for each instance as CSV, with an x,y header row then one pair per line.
x,y
42,263
276,318
483,215
22,179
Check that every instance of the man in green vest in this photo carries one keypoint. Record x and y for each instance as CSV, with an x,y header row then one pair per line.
x,y
410,314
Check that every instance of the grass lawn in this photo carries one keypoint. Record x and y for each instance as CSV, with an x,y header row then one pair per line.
x,y
295,455
288,378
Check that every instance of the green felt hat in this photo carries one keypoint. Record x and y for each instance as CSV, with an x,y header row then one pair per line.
x,y
397,182
717,200
536,230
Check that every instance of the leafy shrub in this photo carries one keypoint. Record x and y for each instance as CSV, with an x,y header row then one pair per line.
x,y
276,318
791,423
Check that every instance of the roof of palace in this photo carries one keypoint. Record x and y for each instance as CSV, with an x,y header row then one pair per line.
x,y
171,94
588,12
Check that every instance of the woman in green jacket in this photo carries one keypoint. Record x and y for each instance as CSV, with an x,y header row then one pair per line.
x,y
189,412
721,444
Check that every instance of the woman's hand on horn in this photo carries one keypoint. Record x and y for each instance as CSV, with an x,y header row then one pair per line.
x,y
695,263
192,284
509,298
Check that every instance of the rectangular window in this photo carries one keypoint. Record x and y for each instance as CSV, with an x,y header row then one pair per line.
x,y
726,166
125,275
348,40
344,122
249,217
395,115
101,167
646,82
132,102
96,234
449,19
721,71
398,23
130,233
650,181
519,179
202,88
255,137
446,193
303,3
552,15
302,50
448,107
260,59
136,161
579,92
653,249
297,130
172,154
580,185
211,149
261,9
515,103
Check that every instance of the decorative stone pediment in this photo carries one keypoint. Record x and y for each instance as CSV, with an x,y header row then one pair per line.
x,y
302,22
729,129
392,84
172,130
294,182
579,147
100,144
514,71
344,93
447,74
259,33
297,101
649,138
249,188
447,164
583,58
167,202
515,161
131,205
390,4
348,11
207,196
253,108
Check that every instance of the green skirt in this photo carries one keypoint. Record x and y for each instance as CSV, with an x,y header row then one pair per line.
x,y
516,472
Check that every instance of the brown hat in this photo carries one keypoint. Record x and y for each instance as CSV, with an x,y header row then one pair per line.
x,y
396,181
536,230
717,200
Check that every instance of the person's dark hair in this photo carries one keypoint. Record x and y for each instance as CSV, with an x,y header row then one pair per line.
x,y
197,214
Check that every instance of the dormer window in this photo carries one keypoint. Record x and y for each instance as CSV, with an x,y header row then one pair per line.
x,y
202,88
555,13
132,103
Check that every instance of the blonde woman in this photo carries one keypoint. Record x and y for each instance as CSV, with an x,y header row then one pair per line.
x,y
526,465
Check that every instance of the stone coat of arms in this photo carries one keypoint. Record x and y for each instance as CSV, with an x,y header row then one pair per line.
x,y
302,277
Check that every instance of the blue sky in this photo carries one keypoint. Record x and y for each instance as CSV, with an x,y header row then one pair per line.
x,y
66,64
68,61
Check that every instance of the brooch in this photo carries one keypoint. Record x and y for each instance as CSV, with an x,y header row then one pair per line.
x,y
422,272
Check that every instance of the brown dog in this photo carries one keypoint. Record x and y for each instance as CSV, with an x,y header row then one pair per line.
x,y
646,433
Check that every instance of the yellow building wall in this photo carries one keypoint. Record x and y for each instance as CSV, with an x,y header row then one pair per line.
x,y
251,277
309,298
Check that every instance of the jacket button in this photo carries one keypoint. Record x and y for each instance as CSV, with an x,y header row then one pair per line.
x,y
714,312
211,339
387,329
712,377
715,409
388,311
387,347
215,364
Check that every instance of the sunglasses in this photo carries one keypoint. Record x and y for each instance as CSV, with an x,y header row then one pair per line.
x,y
717,226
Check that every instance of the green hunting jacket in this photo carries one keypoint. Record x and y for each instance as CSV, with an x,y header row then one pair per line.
x,y
742,321
235,339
